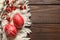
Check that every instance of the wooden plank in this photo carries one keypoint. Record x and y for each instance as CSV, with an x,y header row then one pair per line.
x,y
45,13
40,32
44,1
55,28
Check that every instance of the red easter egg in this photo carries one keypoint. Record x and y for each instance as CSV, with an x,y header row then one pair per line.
x,y
8,19
21,7
13,7
24,7
18,20
8,9
10,30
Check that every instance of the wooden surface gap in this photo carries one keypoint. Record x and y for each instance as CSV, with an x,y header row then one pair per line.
x,y
43,4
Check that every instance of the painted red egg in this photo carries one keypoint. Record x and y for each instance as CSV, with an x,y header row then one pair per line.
x,y
10,30
13,7
21,7
8,9
8,19
18,20
24,7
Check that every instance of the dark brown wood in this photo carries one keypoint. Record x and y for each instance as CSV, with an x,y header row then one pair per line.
x,y
45,32
45,19
44,1
46,27
45,13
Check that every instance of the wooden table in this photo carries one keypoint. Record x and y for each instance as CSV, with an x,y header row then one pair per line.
x,y
45,19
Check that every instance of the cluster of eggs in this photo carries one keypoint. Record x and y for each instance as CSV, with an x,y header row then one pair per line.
x,y
11,29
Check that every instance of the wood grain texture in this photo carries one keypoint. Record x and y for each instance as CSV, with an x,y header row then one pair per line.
x,y
45,13
45,32
46,27
45,19
44,1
